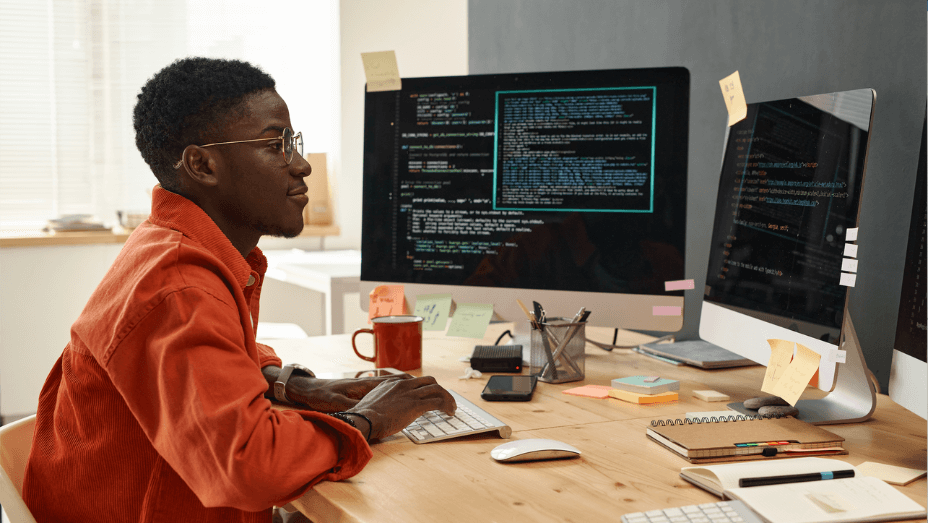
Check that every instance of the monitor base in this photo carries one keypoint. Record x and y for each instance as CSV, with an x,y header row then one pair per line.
x,y
853,398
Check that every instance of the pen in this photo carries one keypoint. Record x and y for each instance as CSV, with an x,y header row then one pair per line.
x,y
794,478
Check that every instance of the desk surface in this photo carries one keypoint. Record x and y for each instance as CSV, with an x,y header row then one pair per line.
x,y
620,470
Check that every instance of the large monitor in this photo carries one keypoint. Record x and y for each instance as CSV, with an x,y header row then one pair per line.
x,y
565,188
909,372
781,258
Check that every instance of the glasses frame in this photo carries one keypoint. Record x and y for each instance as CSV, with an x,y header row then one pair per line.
x,y
296,144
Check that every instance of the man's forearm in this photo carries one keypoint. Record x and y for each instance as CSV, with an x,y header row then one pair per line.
x,y
270,375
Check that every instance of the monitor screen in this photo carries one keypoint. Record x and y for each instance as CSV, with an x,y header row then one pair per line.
x,y
909,369
790,189
559,182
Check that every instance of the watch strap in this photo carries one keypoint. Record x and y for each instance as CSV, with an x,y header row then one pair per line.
x,y
280,384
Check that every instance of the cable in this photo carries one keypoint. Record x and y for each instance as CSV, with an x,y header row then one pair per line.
x,y
608,347
501,336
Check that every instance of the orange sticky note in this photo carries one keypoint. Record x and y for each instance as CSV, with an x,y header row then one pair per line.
x,y
590,391
781,352
797,374
386,300
643,399
734,98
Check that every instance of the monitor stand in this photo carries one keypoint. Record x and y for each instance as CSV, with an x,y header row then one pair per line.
x,y
853,398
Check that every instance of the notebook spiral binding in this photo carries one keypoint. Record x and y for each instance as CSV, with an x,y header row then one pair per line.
x,y
713,419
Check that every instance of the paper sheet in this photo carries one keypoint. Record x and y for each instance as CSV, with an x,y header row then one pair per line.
x,y
434,309
734,98
889,473
470,320
381,71
797,375
386,300
781,352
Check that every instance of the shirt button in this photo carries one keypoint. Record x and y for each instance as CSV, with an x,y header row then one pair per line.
x,y
251,280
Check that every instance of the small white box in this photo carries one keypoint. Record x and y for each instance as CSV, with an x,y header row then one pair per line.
x,y
710,395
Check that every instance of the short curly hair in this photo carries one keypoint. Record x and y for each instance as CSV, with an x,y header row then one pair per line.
x,y
190,102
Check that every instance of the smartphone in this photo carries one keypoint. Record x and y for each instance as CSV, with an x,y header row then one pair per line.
x,y
509,388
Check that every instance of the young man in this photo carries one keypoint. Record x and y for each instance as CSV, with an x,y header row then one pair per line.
x,y
157,409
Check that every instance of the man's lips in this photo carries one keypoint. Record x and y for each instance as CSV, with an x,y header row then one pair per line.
x,y
298,191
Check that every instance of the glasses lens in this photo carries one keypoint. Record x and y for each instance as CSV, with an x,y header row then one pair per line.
x,y
288,144
298,143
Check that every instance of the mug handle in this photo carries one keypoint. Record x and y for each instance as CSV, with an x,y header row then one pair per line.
x,y
355,347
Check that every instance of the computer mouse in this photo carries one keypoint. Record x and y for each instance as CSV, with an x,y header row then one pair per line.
x,y
533,450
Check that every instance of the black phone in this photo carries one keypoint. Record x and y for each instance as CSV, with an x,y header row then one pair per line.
x,y
509,388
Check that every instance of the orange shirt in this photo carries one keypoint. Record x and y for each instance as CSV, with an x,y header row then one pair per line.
x,y
155,410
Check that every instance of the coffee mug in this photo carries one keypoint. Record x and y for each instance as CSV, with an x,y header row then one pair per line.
x,y
397,342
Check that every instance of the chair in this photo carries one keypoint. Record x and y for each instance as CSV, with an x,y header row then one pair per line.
x,y
15,442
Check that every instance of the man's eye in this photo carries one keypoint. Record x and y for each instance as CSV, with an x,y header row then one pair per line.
x,y
277,145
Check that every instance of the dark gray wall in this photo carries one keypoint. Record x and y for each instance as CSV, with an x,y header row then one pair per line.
x,y
782,49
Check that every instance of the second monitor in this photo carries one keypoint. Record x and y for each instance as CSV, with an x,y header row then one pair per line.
x,y
564,188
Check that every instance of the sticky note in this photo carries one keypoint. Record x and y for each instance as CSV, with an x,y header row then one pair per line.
x,y
851,235
734,98
838,356
679,285
850,250
470,320
848,279
386,300
781,352
849,265
589,391
666,310
890,473
381,71
434,310
643,399
710,396
797,375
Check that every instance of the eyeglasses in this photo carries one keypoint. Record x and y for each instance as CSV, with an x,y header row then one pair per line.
x,y
290,143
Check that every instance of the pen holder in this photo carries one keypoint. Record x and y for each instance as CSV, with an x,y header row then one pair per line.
x,y
561,342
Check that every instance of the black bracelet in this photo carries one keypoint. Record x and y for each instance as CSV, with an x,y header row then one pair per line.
x,y
344,416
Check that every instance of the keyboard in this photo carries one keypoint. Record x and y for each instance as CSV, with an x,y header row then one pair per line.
x,y
468,419
720,512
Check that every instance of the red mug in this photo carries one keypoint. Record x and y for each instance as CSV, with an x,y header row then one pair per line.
x,y
397,342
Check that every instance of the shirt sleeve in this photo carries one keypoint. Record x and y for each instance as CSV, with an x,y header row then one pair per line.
x,y
188,379
267,356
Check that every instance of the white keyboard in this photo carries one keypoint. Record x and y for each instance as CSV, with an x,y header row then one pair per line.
x,y
468,419
719,512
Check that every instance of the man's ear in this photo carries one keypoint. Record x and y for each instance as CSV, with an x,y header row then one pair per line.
x,y
199,166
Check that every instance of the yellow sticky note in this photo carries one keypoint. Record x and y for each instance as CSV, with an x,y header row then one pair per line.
x,y
734,98
381,71
781,351
434,310
797,375
386,300
470,320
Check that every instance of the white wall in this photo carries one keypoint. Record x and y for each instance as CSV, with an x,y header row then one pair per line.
x,y
430,39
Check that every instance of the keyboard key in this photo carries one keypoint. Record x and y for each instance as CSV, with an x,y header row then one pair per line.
x,y
670,512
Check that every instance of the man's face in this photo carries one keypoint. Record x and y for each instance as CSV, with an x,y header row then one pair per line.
x,y
260,193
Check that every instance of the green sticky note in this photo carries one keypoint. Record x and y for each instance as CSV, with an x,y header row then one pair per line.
x,y
434,309
471,320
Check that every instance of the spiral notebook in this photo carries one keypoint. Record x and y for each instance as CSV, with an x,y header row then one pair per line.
x,y
743,438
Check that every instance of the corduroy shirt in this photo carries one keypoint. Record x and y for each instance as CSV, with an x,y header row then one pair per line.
x,y
155,411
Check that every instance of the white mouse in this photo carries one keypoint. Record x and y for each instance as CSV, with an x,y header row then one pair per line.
x,y
533,449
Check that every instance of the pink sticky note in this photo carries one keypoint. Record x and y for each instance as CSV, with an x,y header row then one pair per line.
x,y
679,285
667,310
590,391
386,300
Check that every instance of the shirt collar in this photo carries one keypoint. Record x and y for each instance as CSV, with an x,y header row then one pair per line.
x,y
175,212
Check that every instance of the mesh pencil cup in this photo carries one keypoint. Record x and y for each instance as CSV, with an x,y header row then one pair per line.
x,y
561,342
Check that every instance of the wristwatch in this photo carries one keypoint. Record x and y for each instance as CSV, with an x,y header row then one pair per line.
x,y
280,385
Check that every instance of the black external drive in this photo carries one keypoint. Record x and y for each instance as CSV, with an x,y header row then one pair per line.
x,y
497,358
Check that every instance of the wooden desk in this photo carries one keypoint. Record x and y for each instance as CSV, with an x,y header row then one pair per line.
x,y
620,470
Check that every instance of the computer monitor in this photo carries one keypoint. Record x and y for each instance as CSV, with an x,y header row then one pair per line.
x,y
909,372
566,188
781,259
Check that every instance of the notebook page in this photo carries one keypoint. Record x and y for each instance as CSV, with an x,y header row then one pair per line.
x,y
839,500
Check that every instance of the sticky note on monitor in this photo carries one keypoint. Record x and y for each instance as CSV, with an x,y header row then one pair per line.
x,y
851,234
470,320
679,285
734,98
797,374
850,250
666,310
781,352
386,300
434,310
381,71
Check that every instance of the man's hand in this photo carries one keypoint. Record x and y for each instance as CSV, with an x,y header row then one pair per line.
x,y
394,404
333,395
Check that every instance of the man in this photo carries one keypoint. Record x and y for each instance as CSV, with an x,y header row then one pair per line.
x,y
157,409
